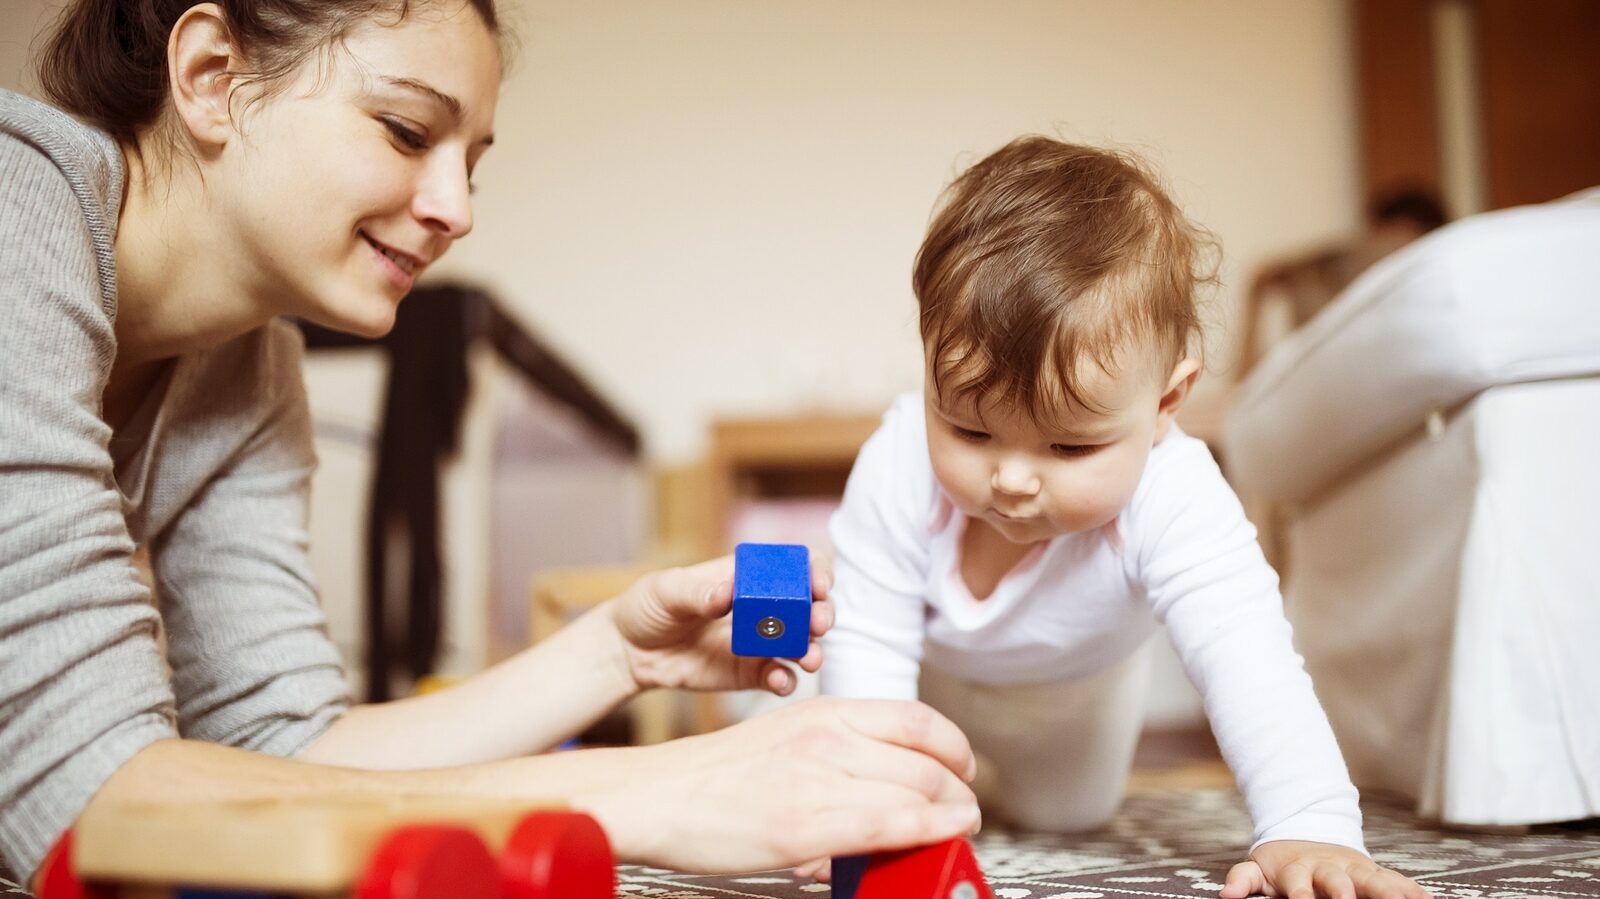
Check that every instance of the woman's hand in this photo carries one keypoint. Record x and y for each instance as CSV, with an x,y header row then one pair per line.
x,y
811,780
676,630
1299,869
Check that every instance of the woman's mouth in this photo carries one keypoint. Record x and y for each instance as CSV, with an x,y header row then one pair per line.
x,y
402,267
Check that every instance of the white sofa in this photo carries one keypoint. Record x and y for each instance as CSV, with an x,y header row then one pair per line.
x,y
1431,441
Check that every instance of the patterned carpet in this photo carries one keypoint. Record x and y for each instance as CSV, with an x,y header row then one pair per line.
x,y
1179,844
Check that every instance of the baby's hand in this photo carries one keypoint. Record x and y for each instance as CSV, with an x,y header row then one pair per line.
x,y
1298,869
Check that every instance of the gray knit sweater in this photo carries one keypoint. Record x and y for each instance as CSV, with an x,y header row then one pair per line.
x,y
211,475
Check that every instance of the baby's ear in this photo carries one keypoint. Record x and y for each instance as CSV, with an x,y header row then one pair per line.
x,y
1179,383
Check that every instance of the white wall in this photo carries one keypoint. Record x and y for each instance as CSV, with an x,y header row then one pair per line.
x,y
21,23
712,205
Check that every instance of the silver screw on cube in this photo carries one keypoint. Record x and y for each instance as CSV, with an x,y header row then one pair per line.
x,y
770,627
964,890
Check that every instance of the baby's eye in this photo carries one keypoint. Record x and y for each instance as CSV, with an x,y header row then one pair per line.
x,y
969,435
1072,449
405,135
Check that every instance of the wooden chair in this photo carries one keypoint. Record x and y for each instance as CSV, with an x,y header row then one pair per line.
x,y
562,594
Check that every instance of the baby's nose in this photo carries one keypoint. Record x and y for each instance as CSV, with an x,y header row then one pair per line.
x,y
1015,479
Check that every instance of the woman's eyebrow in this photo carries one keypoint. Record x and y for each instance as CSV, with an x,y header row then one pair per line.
x,y
451,104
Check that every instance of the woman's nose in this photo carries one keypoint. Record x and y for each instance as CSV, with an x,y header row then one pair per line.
x,y
444,203
1014,478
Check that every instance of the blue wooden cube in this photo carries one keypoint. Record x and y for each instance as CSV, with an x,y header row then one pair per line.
x,y
847,873
771,600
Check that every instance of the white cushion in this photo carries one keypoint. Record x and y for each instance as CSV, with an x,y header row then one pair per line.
x,y
1444,601
1500,298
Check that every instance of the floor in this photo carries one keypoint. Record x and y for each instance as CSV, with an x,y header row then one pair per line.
x,y
1181,828
1178,843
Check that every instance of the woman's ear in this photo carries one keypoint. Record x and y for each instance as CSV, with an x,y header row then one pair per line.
x,y
1181,381
202,62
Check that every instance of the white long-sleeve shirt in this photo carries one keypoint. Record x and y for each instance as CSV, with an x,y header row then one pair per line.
x,y
1181,554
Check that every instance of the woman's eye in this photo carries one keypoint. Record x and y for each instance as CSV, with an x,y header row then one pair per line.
x,y
1072,449
970,435
410,138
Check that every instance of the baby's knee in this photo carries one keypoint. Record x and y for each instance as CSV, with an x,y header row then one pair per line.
x,y
1042,812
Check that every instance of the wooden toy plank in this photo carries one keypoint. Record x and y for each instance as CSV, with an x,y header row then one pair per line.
x,y
303,846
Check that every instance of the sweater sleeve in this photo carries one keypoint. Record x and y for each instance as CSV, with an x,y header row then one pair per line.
x,y
252,664
880,540
1209,584
82,683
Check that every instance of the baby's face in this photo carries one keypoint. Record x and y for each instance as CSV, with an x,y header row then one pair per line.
x,y
1032,482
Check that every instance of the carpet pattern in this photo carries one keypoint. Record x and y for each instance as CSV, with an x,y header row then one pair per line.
x,y
1180,844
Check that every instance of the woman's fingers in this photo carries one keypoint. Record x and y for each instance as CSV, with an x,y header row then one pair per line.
x,y
857,781
821,573
823,614
812,660
881,817
820,870
702,591
777,679
911,725
906,768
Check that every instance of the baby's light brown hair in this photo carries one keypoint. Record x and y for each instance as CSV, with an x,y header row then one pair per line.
x,y
1045,255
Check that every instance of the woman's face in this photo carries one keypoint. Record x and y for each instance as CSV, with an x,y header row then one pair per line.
x,y
342,188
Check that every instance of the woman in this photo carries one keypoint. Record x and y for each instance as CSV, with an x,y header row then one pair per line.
x,y
255,158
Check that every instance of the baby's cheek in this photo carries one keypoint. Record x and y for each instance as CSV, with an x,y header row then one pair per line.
x,y
1094,500
1088,513
959,476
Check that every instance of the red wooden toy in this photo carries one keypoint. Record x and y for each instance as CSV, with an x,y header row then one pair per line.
x,y
430,862
557,855
56,879
945,870
360,847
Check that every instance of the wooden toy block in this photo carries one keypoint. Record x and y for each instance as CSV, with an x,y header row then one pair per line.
x,y
846,875
361,847
947,870
771,600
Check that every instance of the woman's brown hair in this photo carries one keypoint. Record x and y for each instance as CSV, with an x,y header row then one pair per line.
x,y
1045,255
106,63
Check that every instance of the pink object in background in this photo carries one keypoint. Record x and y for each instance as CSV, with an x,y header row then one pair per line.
x,y
798,520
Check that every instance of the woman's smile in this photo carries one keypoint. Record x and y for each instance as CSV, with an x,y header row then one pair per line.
x,y
400,268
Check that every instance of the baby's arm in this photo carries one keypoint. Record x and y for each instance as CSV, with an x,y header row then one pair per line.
x,y
880,537
1207,580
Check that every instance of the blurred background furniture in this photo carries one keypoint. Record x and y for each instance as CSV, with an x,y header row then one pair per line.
x,y
1430,440
777,479
768,479
561,594
459,454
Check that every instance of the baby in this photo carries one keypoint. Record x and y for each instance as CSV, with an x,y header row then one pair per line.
x,y
1011,537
